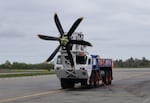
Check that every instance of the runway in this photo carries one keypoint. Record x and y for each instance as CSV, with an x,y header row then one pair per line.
x,y
128,86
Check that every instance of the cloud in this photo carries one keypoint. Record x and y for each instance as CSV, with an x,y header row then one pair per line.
x,y
127,45
11,33
110,25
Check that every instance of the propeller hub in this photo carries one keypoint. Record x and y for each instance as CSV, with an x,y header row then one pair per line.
x,y
64,40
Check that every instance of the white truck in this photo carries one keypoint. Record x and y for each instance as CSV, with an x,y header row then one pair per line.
x,y
87,70
75,64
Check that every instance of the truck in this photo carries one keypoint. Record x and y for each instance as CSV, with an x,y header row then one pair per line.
x,y
74,64
90,70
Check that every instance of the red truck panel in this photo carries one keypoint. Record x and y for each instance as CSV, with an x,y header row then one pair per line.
x,y
105,63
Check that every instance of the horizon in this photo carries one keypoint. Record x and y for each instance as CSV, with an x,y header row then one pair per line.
x,y
55,58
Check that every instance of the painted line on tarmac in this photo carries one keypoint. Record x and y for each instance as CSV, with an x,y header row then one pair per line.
x,y
146,100
23,77
128,78
135,76
31,95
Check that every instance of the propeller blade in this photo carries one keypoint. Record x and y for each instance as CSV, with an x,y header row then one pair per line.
x,y
53,54
70,57
44,37
74,26
58,24
80,42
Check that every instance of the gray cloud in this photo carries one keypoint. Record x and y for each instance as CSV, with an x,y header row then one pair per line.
x,y
11,33
110,25
127,45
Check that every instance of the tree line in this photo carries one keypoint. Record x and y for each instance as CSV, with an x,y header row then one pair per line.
x,y
119,63
17,65
132,63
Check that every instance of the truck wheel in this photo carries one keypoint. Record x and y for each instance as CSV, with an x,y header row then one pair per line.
x,y
105,79
109,77
63,84
109,82
91,82
96,79
96,83
84,83
67,84
92,79
71,84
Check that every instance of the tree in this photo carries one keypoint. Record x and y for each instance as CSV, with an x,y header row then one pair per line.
x,y
131,62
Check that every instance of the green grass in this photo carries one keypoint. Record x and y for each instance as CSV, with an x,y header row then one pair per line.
x,y
9,75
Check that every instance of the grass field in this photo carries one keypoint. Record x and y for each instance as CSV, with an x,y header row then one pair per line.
x,y
19,73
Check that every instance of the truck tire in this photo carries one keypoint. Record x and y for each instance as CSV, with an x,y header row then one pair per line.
x,y
84,83
105,79
95,84
71,84
91,82
109,77
92,79
66,83
96,79
63,84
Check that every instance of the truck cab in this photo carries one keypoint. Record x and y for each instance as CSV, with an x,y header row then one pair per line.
x,y
82,67
80,74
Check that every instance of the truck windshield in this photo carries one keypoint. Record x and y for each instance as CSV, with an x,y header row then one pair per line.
x,y
81,59
59,61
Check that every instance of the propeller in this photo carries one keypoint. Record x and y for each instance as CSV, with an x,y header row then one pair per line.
x,y
64,39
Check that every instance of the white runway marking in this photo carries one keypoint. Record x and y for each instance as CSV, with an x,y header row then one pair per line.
x,y
146,100
29,96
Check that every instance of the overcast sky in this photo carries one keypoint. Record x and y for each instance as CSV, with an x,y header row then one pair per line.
x,y
118,29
